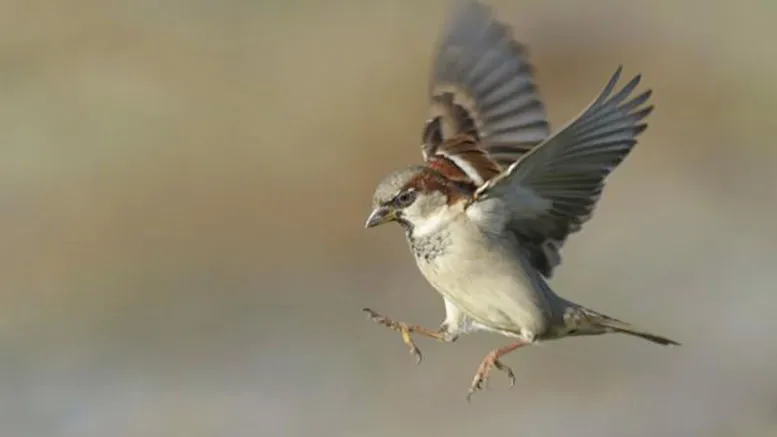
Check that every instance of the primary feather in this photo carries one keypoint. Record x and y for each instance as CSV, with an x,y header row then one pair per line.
x,y
482,86
553,189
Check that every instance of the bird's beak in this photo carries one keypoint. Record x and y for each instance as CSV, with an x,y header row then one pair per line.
x,y
380,215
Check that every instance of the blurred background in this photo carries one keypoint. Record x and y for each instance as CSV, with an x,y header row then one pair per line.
x,y
183,187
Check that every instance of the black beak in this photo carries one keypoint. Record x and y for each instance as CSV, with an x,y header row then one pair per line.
x,y
380,215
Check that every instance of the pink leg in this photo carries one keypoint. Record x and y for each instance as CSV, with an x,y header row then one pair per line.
x,y
490,361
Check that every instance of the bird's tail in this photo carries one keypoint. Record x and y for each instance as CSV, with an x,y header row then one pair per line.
x,y
614,325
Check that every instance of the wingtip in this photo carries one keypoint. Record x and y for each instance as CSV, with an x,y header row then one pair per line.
x,y
609,94
638,129
617,75
608,89
634,82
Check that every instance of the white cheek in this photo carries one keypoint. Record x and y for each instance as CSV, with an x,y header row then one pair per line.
x,y
429,223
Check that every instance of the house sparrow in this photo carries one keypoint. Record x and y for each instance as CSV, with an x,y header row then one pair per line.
x,y
488,211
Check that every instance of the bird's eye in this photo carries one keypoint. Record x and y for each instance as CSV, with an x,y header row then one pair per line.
x,y
405,198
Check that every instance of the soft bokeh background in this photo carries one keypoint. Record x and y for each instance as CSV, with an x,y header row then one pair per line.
x,y
183,186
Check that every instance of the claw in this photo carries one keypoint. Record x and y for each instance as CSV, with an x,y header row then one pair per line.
x,y
476,385
490,361
482,376
417,354
405,330
510,375
407,338
375,317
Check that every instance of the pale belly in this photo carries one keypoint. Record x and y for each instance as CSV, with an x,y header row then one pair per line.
x,y
491,285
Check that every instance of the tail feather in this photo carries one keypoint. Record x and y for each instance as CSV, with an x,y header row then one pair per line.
x,y
615,325
603,323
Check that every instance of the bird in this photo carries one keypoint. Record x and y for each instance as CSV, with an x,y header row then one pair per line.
x,y
488,210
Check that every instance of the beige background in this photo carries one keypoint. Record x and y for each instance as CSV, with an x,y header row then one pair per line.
x,y
183,186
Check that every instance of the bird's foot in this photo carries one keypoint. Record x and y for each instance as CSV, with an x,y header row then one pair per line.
x,y
480,381
490,361
407,331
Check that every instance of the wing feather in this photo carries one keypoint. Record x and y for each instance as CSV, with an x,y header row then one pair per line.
x,y
482,86
553,189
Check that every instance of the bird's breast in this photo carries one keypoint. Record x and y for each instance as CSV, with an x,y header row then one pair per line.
x,y
485,278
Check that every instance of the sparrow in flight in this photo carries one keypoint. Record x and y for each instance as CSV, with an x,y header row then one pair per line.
x,y
487,212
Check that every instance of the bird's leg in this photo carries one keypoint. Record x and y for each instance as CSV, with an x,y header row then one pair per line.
x,y
407,331
490,361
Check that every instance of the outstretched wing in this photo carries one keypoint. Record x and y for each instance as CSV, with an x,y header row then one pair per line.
x,y
553,190
486,110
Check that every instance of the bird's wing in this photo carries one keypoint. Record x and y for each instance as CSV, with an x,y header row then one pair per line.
x,y
553,189
485,108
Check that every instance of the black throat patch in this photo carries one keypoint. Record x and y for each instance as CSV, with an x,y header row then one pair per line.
x,y
428,247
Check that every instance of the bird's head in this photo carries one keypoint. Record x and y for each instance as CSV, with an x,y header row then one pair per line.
x,y
417,197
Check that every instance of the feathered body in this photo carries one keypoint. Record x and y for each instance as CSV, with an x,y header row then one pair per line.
x,y
487,213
